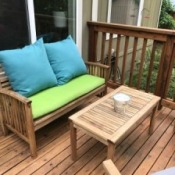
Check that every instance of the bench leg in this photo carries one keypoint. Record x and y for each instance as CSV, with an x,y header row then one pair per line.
x,y
32,144
73,141
2,125
5,130
152,120
174,127
111,150
33,148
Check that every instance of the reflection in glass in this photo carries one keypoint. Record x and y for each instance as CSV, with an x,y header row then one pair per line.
x,y
55,19
14,31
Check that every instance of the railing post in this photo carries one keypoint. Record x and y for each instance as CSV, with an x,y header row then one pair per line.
x,y
170,69
92,50
165,69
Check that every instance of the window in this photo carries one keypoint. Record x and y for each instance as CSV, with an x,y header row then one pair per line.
x,y
125,11
24,21
54,19
14,30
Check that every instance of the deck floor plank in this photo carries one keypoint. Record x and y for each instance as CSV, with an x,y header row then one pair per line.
x,y
124,145
165,156
155,152
61,162
137,154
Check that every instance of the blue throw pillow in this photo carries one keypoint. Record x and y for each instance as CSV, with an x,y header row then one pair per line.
x,y
65,60
28,69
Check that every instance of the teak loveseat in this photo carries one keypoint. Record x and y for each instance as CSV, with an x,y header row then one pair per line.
x,y
17,111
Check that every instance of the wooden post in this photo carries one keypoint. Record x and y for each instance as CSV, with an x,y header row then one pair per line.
x,y
165,68
111,150
2,124
30,131
73,141
152,119
92,50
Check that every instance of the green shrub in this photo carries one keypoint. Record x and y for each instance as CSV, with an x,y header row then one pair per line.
x,y
166,21
154,74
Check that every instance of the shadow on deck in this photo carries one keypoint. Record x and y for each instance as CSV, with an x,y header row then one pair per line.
x,y
137,154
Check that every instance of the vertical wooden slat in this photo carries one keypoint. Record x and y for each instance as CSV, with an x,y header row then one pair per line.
x,y
151,67
142,62
117,57
110,48
124,59
103,47
133,61
160,70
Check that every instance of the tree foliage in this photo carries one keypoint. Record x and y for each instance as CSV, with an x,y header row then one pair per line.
x,y
166,20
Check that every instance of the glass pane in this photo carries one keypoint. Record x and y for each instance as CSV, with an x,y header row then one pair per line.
x,y
125,11
55,19
13,24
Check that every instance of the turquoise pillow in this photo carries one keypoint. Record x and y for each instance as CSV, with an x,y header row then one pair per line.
x,y
28,69
65,60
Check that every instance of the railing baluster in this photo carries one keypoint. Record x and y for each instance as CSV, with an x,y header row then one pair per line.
x,y
117,58
124,59
110,48
142,62
103,47
160,70
133,61
151,67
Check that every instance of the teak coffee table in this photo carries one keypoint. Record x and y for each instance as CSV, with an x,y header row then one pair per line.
x,y
100,121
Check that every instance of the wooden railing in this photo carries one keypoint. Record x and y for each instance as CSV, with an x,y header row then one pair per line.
x,y
144,57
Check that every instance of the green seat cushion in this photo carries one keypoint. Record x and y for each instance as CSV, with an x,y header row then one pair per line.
x,y
53,98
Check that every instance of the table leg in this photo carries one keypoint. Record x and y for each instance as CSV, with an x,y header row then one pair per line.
x,y
174,127
111,150
73,141
152,120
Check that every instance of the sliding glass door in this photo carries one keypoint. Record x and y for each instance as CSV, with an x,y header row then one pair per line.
x,y
24,21
14,31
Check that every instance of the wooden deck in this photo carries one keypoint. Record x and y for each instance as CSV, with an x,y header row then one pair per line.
x,y
137,154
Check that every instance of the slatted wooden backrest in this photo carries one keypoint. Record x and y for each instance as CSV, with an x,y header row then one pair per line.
x,y
4,82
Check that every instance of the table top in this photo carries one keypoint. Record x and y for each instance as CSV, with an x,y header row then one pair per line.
x,y
101,121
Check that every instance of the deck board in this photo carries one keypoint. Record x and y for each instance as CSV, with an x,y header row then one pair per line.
x,y
138,153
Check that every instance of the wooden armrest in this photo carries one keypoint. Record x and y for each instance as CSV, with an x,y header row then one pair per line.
x,y
15,95
98,69
96,64
110,168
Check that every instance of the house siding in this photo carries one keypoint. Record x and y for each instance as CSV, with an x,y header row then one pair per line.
x,y
150,17
87,15
151,11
